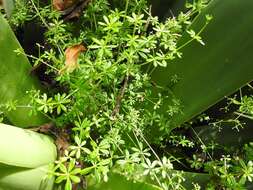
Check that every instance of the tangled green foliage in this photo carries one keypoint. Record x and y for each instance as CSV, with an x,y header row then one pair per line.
x,y
120,43
104,99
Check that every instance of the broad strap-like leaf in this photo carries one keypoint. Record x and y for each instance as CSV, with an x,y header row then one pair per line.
x,y
24,148
16,80
25,157
209,73
117,181
16,178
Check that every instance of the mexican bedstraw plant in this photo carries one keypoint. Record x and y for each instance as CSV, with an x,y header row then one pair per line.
x,y
105,89
109,91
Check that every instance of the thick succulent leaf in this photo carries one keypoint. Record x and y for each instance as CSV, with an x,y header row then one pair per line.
x,y
117,181
211,72
16,79
24,148
16,178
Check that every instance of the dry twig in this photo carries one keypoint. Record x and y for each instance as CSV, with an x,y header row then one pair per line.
x,y
120,96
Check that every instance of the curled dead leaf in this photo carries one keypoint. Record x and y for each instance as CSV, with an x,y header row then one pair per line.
x,y
45,128
77,11
61,5
62,144
70,9
58,5
71,57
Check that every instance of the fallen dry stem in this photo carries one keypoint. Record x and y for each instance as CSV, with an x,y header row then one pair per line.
x,y
120,96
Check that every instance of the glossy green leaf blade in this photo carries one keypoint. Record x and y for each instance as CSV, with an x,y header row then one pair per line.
x,y
16,79
15,178
167,8
24,148
211,72
117,181
202,179
189,178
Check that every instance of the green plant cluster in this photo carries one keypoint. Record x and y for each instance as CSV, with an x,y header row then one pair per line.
x,y
104,98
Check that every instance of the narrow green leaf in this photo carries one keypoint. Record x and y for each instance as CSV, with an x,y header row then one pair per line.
x,y
68,185
75,179
60,179
86,170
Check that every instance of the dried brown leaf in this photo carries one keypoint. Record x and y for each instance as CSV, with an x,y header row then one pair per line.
x,y
58,5
71,55
62,144
62,141
77,11
69,3
45,128
61,5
